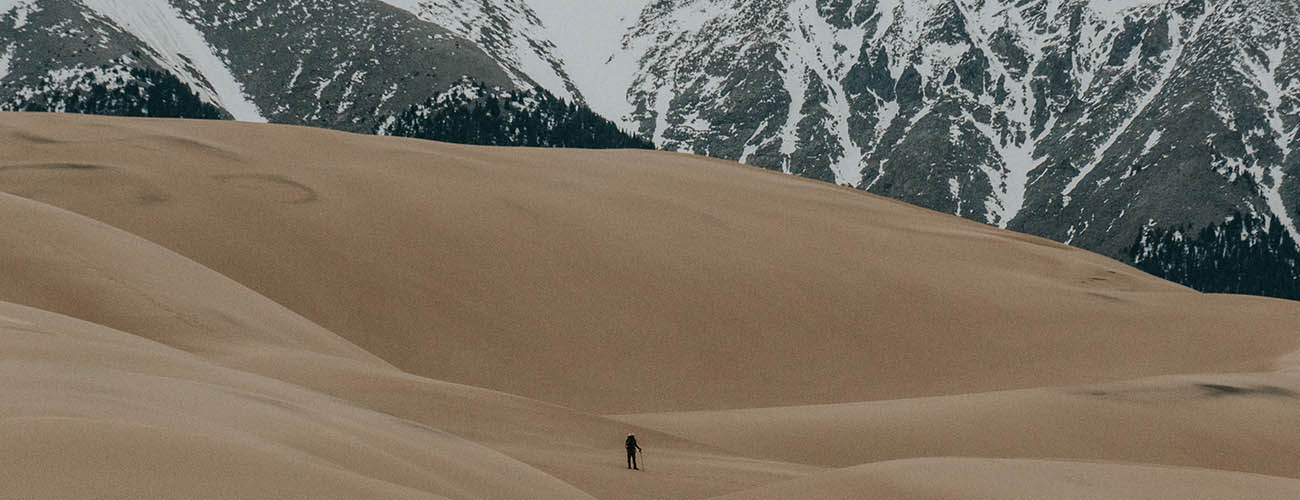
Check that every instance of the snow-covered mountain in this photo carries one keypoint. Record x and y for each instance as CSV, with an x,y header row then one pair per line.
x,y
341,63
1094,122
1080,120
1114,125
509,31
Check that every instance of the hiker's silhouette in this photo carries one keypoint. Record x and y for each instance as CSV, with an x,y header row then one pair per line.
x,y
632,448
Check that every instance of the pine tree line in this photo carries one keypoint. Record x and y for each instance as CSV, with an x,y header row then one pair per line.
x,y
136,92
535,118
1245,255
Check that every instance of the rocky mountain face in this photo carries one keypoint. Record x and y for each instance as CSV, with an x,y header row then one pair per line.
x,y
1094,123
510,32
344,64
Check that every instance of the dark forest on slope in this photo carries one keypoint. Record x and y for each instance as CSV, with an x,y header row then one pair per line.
x,y
1243,255
474,114
137,92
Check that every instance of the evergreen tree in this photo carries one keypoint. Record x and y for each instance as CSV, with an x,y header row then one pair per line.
x,y
142,92
475,114
1245,255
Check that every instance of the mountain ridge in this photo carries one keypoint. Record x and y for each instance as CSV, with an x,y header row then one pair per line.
x,y
1090,123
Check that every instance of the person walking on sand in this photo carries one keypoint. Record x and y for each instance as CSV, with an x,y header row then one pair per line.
x,y
632,448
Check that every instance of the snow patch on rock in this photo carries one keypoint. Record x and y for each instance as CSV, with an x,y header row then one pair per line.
x,y
181,47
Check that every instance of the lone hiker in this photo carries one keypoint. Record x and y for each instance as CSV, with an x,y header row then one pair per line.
x,y
632,448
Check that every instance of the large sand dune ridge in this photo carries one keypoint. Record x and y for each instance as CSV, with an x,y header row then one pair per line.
x,y
236,311
628,281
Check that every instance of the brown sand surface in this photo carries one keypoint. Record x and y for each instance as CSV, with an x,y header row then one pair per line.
x,y
1237,422
241,311
988,479
64,396
580,449
620,282
90,412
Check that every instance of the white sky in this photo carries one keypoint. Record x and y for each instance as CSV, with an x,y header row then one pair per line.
x,y
586,33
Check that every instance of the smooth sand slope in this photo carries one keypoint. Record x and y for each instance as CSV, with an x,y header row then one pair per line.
x,y
981,479
619,282
223,310
1240,422
91,412
86,404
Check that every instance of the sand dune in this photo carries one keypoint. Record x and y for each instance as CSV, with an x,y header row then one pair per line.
x,y
971,479
1230,422
64,262
242,311
618,282
91,412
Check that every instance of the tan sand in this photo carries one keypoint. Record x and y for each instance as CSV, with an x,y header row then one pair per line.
x,y
71,403
1230,422
90,412
617,282
987,479
266,311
